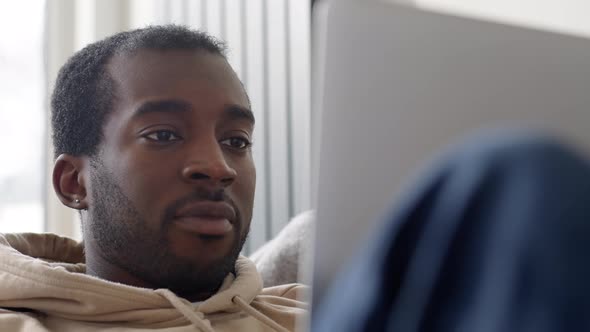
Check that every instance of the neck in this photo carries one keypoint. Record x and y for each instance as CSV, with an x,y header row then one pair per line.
x,y
99,267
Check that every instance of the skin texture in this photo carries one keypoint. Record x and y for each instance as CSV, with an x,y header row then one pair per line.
x,y
177,140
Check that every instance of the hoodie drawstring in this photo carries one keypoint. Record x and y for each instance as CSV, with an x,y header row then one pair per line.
x,y
196,318
257,314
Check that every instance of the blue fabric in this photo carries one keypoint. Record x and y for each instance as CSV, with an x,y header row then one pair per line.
x,y
495,238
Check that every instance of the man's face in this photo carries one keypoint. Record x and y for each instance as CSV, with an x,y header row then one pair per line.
x,y
172,187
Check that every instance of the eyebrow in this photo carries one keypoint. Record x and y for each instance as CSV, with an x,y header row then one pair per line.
x,y
232,111
239,112
158,106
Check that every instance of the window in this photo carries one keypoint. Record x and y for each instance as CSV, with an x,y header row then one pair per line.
x,y
22,115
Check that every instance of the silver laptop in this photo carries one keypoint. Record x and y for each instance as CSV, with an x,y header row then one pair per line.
x,y
398,84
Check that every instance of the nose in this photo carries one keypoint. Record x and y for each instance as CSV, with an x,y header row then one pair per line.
x,y
208,164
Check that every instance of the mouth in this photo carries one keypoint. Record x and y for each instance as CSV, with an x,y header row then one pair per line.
x,y
206,218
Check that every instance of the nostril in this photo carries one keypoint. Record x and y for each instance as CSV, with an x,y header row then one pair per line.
x,y
199,176
227,181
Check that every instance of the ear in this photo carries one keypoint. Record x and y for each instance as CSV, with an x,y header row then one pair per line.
x,y
69,181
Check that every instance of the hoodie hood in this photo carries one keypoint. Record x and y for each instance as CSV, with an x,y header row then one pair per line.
x,y
46,273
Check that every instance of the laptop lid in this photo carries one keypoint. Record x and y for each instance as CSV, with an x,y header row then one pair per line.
x,y
398,84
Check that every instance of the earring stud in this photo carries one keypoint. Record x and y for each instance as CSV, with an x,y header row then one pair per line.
x,y
77,201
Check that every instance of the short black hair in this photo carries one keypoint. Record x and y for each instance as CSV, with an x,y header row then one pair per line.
x,y
84,91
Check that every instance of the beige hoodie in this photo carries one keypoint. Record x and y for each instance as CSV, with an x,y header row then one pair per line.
x,y
43,288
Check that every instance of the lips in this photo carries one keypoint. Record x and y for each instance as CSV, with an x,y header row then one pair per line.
x,y
207,209
206,218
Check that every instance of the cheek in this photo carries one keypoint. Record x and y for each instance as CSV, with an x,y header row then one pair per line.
x,y
146,182
250,176
252,179
245,187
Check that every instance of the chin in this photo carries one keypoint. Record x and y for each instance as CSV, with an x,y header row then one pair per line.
x,y
206,252
202,246
197,271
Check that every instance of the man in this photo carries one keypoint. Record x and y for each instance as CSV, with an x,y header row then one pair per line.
x,y
152,132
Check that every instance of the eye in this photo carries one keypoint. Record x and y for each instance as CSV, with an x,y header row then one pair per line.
x,y
162,136
239,143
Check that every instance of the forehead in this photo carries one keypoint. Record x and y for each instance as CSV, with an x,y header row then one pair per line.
x,y
147,74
